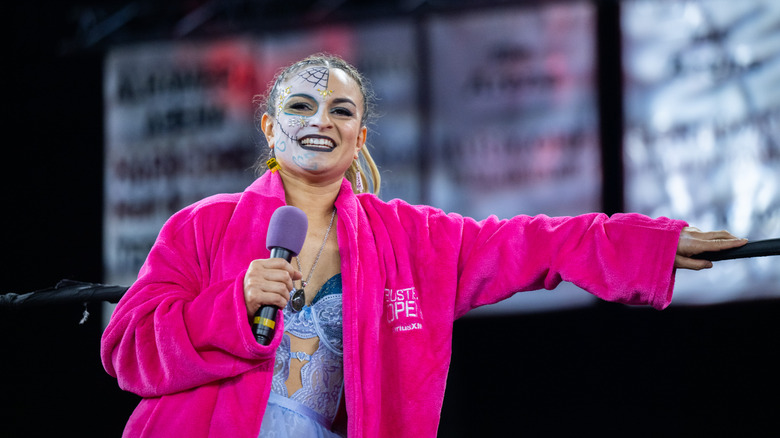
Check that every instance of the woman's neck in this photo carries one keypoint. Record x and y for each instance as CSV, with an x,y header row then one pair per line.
x,y
315,200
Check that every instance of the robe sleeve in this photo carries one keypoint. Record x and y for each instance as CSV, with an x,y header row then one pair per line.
x,y
625,258
175,328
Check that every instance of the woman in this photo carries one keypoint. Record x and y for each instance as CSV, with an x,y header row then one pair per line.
x,y
382,281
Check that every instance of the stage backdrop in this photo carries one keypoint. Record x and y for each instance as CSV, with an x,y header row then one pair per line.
x,y
515,119
702,140
487,111
506,126
178,121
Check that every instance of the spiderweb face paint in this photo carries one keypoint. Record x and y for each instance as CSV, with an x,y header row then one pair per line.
x,y
317,76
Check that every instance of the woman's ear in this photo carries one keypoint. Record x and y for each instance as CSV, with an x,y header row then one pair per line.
x,y
361,141
267,126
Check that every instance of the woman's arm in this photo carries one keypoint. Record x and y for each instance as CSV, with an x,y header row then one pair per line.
x,y
177,328
625,258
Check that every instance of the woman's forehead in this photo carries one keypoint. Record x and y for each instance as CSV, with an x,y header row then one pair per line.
x,y
323,81
312,77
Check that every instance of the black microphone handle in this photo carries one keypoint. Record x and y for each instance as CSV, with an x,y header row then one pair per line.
x,y
264,321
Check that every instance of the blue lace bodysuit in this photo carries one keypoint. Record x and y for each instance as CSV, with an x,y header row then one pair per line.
x,y
310,410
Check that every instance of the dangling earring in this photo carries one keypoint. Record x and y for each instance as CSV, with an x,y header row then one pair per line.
x,y
358,180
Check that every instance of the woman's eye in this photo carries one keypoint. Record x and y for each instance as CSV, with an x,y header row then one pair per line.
x,y
343,112
299,106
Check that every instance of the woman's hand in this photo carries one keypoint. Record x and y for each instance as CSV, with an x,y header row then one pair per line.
x,y
692,242
268,281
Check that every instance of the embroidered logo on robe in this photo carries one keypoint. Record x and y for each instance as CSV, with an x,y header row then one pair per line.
x,y
402,309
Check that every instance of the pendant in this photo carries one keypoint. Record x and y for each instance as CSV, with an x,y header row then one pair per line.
x,y
297,299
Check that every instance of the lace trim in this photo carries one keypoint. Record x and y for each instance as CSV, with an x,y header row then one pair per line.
x,y
322,375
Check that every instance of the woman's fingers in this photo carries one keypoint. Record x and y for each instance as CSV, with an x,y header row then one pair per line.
x,y
268,282
693,241
682,262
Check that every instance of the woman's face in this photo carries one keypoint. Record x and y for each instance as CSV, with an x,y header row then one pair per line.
x,y
318,126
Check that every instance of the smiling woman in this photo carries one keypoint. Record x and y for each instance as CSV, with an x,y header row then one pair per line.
x,y
320,88
364,349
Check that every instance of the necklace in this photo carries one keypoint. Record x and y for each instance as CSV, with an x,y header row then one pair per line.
x,y
298,296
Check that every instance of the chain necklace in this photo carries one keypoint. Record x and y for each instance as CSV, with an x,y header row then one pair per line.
x,y
298,296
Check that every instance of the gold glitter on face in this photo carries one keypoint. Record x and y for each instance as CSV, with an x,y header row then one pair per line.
x,y
282,96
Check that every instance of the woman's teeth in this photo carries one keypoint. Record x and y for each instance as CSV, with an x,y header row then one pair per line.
x,y
317,143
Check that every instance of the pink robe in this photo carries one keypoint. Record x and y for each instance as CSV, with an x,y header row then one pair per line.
x,y
180,337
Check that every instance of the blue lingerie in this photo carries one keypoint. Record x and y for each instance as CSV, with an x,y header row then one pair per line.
x,y
310,410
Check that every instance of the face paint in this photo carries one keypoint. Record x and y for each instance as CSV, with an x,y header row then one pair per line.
x,y
282,96
305,161
300,122
317,76
318,120
302,99
300,102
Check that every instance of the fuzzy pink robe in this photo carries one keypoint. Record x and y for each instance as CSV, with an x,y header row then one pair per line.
x,y
180,337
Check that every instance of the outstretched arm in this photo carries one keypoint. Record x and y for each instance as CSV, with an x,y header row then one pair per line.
x,y
693,241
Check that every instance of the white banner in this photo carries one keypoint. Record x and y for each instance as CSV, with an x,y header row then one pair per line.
x,y
394,75
178,124
515,121
514,112
702,141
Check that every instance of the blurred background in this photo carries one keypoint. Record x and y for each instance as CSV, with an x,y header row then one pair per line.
x,y
121,112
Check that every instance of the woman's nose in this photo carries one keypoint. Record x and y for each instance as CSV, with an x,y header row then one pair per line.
x,y
321,119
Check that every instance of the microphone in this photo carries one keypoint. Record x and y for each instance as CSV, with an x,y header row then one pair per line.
x,y
286,233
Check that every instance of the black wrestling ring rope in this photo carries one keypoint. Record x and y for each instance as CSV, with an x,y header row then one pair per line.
x,y
66,291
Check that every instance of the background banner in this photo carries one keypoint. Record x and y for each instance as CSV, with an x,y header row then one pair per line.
x,y
702,139
178,121
515,119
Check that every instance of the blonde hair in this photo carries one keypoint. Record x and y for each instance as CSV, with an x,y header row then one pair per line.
x,y
369,173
